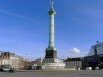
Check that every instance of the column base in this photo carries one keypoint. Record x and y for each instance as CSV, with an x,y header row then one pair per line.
x,y
50,53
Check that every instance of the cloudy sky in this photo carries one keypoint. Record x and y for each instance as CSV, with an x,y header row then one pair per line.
x,y
24,26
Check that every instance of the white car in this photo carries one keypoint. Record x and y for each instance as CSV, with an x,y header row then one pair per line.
x,y
6,68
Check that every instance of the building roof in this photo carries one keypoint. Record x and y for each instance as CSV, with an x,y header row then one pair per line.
x,y
73,59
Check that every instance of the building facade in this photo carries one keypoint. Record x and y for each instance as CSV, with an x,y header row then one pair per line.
x,y
7,58
74,62
38,63
29,65
98,46
95,57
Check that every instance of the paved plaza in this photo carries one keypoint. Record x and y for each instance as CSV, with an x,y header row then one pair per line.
x,y
83,73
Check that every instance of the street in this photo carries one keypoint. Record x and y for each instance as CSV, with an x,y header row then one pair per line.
x,y
82,73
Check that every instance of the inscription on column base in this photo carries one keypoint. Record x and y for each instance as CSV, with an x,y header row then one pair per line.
x,y
51,53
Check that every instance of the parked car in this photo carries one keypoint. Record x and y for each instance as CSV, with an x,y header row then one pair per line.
x,y
6,68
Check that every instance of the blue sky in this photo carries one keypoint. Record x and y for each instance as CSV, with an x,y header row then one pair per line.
x,y
24,26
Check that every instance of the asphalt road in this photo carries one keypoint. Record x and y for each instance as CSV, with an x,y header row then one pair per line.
x,y
83,73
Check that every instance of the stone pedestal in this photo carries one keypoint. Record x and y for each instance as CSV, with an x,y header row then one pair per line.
x,y
53,66
50,62
50,53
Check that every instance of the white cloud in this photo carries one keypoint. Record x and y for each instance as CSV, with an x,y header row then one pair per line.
x,y
74,51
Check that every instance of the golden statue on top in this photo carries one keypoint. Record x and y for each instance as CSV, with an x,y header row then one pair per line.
x,y
52,3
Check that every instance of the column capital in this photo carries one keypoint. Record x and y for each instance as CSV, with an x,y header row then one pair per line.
x,y
51,11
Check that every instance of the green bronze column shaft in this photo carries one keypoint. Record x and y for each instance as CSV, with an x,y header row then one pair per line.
x,y
51,31
51,26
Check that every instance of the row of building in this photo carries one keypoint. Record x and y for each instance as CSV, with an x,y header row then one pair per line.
x,y
8,58
72,63
93,59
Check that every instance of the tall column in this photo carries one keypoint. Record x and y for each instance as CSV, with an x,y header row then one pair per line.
x,y
51,12
51,31
51,51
